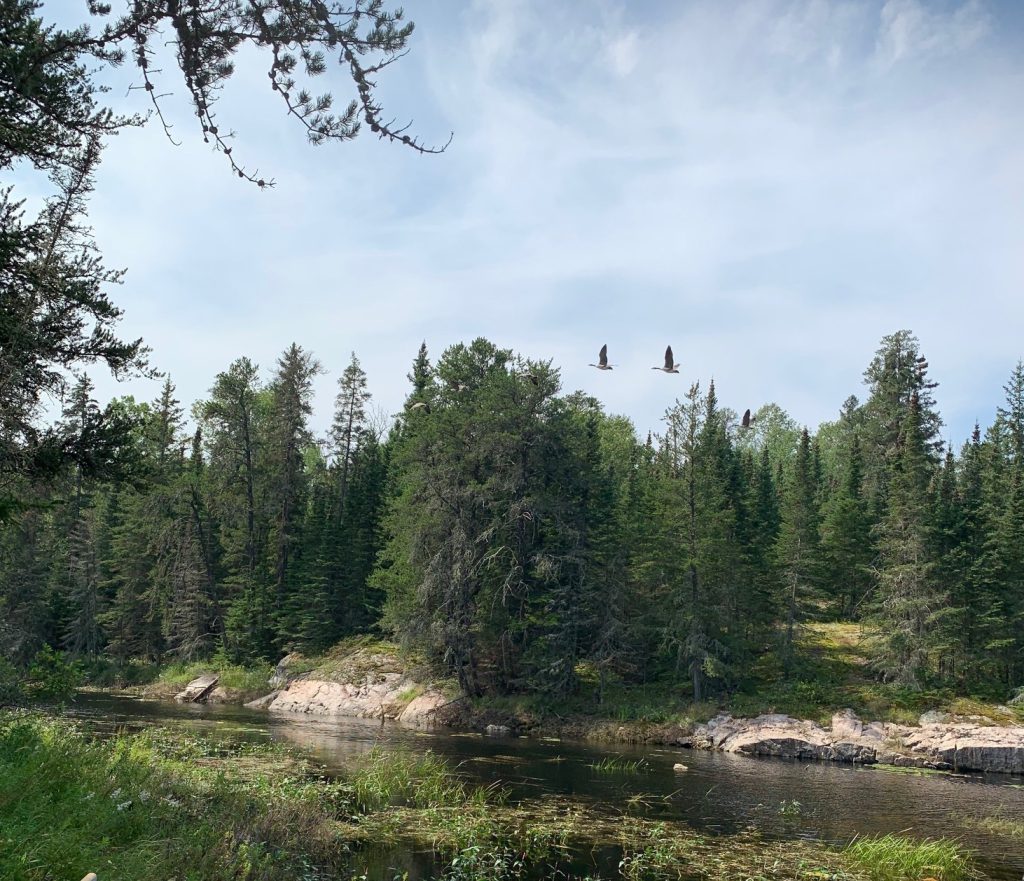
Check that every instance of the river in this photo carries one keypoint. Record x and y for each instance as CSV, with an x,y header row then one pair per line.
x,y
719,793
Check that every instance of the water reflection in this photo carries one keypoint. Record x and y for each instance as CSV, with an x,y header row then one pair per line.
x,y
719,793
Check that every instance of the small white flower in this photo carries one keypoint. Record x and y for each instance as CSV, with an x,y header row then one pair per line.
x,y
173,802
143,796
124,805
89,796
116,794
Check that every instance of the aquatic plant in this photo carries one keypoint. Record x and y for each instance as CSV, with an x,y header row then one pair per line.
x,y
619,765
897,858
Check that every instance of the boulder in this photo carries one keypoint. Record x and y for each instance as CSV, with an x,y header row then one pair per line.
x,y
847,727
978,748
1017,700
423,707
261,703
220,695
281,673
679,767
934,717
498,730
936,744
198,689
375,696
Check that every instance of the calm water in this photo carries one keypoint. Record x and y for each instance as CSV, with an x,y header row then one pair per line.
x,y
719,793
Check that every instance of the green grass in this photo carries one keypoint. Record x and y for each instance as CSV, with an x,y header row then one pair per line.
x,y
619,765
242,683
400,777
167,805
147,806
997,825
895,858
831,672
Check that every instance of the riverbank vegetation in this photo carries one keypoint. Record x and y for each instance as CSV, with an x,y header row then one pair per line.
x,y
161,804
531,547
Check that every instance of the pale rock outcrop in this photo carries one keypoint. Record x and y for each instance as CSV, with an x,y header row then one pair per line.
x,y
381,695
498,730
423,707
261,703
774,734
198,689
938,744
967,746
283,670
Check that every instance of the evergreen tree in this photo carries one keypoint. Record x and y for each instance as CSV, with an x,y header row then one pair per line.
x,y
897,375
846,544
288,440
797,549
349,420
909,604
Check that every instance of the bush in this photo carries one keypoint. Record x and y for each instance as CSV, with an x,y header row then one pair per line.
x,y
51,677
10,684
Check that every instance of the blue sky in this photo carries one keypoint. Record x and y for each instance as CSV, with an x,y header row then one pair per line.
x,y
770,186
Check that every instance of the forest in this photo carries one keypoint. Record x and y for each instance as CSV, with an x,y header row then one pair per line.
x,y
520,537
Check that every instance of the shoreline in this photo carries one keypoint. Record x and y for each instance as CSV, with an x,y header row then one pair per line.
x,y
938,743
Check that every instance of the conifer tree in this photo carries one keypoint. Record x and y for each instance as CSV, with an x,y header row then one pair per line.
x,y
349,421
896,375
909,603
288,439
797,549
846,544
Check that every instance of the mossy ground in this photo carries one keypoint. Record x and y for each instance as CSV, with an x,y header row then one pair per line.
x,y
832,672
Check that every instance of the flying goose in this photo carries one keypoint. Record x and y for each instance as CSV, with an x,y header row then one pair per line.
x,y
602,359
670,365
748,420
421,405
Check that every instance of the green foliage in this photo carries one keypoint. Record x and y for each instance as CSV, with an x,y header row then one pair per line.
x,y
896,858
529,546
52,676
71,805
10,684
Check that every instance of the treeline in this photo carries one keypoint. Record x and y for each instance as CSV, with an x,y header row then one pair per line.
x,y
523,538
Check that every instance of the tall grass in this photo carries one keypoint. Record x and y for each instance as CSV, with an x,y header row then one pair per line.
x,y
619,765
896,858
399,777
123,809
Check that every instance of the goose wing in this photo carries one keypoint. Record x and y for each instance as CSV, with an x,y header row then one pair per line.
x,y
746,418
602,358
669,360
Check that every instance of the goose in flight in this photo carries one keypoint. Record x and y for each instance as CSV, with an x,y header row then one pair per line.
x,y
748,420
670,365
602,359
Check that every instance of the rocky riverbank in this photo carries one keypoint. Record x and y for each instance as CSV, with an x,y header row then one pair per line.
x,y
364,683
371,682
938,743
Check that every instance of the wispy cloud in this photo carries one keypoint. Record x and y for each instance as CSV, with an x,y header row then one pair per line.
x,y
770,186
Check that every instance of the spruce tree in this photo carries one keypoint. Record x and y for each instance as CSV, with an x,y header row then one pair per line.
x,y
846,544
797,549
910,602
289,438
349,421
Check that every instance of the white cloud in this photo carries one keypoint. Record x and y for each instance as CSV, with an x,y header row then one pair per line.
x,y
912,29
770,186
